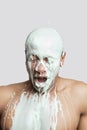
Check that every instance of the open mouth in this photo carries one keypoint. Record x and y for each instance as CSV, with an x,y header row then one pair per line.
x,y
40,79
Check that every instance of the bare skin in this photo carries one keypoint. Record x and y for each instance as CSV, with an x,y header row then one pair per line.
x,y
72,94
46,101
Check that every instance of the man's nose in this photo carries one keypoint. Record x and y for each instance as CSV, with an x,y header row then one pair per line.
x,y
40,68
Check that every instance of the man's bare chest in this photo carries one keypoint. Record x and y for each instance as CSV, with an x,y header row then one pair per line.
x,y
39,113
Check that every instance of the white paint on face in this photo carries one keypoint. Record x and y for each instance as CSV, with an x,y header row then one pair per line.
x,y
36,113
51,70
44,43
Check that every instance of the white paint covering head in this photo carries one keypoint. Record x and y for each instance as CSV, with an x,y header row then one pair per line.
x,y
43,43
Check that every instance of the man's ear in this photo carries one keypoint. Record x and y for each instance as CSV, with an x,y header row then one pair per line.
x,y
63,55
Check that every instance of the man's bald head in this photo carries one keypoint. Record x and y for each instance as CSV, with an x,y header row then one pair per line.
x,y
44,40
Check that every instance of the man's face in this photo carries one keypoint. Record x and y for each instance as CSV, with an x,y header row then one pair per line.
x,y
43,68
43,53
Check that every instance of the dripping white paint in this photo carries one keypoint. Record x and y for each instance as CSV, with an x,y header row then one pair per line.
x,y
36,112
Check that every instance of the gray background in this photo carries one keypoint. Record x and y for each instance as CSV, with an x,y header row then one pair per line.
x,y
19,17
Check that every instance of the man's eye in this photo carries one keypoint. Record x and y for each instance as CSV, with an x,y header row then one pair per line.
x,y
34,60
46,59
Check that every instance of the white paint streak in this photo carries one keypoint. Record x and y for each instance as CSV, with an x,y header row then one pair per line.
x,y
36,112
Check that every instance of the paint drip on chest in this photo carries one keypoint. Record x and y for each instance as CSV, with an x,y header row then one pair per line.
x,y
36,113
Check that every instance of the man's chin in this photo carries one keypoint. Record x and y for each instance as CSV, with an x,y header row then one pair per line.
x,y
41,87
40,84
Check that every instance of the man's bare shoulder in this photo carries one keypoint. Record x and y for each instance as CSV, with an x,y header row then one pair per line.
x,y
73,84
76,86
78,91
7,91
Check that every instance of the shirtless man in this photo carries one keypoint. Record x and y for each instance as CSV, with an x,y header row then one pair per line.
x,y
47,101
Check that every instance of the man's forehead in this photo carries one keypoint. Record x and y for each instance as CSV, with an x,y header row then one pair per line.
x,y
43,54
45,47
44,39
